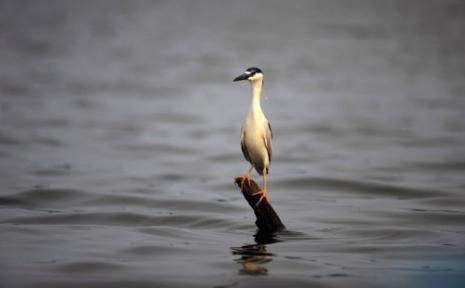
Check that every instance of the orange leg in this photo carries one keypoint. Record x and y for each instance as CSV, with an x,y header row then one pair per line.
x,y
263,192
247,177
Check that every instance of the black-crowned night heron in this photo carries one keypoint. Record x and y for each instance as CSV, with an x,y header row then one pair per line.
x,y
256,131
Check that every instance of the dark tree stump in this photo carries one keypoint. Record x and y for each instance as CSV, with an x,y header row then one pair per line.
x,y
267,219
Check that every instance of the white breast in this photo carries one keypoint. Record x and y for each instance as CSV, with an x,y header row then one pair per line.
x,y
254,135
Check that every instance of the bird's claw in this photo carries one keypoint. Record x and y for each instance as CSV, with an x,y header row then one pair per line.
x,y
244,180
263,195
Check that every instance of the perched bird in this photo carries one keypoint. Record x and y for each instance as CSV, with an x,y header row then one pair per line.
x,y
256,131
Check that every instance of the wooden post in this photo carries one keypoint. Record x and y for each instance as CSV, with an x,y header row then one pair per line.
x,y
267,219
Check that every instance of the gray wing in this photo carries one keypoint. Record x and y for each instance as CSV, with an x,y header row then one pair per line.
x,y
243,147
268,137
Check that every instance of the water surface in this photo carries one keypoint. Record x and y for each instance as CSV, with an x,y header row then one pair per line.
x,y
119,143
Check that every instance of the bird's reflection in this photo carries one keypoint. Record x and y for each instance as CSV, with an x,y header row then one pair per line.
x,y
253,257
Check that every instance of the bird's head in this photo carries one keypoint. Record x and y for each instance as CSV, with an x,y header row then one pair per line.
x,y
252,74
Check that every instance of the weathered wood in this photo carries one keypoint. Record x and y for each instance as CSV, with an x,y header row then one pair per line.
x,y
267,219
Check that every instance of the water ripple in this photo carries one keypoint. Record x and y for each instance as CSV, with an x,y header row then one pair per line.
x,y
359,187
123,219
88,267
43,197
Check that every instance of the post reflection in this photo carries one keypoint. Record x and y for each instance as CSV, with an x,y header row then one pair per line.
x,y
254,257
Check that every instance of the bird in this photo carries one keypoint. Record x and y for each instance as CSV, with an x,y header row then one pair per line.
x,y
256,133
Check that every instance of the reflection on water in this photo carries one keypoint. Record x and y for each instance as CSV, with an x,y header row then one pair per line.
x,y
253,258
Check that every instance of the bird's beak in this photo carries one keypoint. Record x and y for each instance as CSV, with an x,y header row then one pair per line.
x,y
243,76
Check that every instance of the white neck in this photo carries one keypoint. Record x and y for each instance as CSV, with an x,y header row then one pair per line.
x,y
256,93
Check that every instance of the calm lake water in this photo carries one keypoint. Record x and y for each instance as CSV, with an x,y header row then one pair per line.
x,y
119,143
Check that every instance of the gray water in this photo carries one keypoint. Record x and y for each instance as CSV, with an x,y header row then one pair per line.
x,y
119,143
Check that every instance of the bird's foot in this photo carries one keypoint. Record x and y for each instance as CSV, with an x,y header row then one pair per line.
x,y
263,194
245,179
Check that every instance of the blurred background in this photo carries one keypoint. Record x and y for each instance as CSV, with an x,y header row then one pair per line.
x,y
119,142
